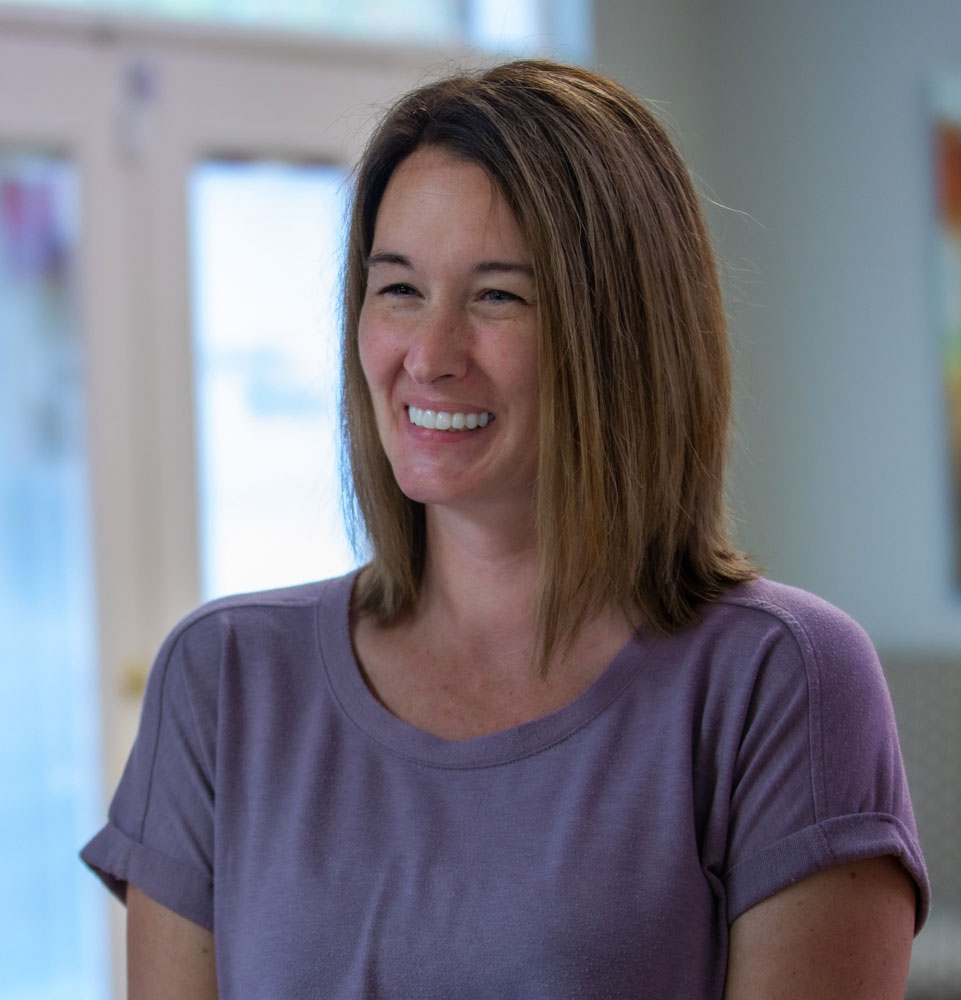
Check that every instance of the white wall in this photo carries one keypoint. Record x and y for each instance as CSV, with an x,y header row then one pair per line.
x,y
653,48
811,119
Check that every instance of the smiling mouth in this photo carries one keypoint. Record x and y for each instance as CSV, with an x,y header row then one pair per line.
x,y
443,420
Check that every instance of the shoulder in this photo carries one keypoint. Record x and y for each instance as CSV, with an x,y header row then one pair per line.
x,y
762,637
820,635
245,650
766,647
262,614
810,619
245,635
818,778
765,653
809,653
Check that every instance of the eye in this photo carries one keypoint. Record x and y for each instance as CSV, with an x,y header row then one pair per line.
x,y
398,289
499,295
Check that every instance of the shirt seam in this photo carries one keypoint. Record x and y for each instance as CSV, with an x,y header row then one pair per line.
x,y
807,651
501,762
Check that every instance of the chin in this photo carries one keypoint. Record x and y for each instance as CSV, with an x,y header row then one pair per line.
x,y
427,495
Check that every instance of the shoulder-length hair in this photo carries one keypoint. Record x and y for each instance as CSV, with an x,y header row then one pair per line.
x,y
633,355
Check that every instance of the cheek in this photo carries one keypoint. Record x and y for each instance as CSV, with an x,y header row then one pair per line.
x,y
524,372
370,347
380,361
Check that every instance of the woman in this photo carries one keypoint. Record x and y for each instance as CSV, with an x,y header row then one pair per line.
x,y
556,739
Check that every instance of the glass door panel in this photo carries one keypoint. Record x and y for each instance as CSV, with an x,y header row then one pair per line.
x,y
414,21
529,26
52,928
266,253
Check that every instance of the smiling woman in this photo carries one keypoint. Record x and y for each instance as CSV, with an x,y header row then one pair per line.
x,y
448,331
557,738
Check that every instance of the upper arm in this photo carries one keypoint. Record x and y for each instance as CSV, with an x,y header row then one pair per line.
x,y
843,933
817,778
168,956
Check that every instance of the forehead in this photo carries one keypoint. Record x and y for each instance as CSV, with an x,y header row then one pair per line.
x,y
433,195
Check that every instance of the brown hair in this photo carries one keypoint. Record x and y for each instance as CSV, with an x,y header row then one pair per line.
x,y
634,368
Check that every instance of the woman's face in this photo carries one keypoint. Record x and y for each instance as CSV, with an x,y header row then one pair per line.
x,y
448,336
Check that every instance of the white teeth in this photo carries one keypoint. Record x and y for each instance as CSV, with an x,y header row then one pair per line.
x,y
442,420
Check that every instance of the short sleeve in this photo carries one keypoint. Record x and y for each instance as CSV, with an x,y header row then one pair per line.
x,y
160,833
819,778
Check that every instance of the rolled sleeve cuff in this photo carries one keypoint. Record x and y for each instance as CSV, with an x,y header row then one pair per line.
x,y
832,842
118,860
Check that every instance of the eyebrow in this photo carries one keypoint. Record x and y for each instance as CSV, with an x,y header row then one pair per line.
x,y
385,257
485,267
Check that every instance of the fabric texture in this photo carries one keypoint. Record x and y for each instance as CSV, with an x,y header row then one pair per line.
x,y
601,851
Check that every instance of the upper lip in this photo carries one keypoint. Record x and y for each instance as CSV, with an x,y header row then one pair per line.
x,y
446,407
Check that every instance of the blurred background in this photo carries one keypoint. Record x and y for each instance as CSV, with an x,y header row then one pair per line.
x,y
172,186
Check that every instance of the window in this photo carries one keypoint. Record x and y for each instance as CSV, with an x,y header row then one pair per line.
x,y
527,27
265,249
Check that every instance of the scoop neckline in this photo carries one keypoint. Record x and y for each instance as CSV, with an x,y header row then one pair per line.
x,y
503,746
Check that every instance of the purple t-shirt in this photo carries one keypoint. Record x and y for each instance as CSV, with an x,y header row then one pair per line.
x,y
601,851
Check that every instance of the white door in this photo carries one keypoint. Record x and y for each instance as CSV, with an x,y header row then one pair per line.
x,y
179,329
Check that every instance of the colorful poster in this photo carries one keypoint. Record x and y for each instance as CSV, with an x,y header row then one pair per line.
x,y
947,167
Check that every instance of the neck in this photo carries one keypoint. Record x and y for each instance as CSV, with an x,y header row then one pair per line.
x,y
480,576
464,663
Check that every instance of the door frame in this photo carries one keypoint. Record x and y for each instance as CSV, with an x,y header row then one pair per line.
x,y
135,102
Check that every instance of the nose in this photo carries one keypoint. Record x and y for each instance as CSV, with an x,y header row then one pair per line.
x,y
438,347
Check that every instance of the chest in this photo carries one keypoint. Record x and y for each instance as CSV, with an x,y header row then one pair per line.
x,y
444,687
379,877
